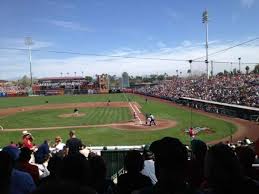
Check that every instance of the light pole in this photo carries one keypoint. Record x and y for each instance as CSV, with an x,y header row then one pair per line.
x,y
211,63
28,42
205,17
75,74
239,63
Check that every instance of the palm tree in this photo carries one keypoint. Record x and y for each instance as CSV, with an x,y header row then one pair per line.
x,y
247,69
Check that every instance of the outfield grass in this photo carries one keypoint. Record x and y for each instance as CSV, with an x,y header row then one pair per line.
x,y
50,118
108,136
38,100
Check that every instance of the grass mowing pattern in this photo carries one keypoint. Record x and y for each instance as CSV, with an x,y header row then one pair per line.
x,y
6,102
50,118
108,136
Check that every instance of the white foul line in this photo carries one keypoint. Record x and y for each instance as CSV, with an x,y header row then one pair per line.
x,y
133,110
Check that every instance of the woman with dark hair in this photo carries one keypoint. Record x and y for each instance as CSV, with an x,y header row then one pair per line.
x,y
133,179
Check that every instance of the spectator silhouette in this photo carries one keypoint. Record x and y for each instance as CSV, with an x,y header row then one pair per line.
x,y
73,145
170,166
76,169
43,153
19,182
60,187
133,179
55,166
196,164
98,176
223,172
149,166
246,157
5,172
24,165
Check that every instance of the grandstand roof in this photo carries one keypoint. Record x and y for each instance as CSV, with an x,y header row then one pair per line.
x,y
223,104
3,81
61,78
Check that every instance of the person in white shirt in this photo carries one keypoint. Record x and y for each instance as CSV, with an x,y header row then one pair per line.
x,y
149,167
58,146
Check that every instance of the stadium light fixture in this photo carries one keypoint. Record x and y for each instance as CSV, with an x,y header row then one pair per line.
x,y
205,19
28,42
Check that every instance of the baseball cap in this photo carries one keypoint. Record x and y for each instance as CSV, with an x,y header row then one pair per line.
x,y
12,151
169,152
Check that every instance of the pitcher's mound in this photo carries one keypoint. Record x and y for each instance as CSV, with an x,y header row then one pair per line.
x,y
71,115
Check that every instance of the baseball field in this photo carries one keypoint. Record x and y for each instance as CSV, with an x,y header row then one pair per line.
x,y
101,123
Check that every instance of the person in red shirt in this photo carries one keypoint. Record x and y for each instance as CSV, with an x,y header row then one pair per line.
x,y
27,140
191,133
24,165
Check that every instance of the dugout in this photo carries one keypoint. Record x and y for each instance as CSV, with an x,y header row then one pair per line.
x,y
232,110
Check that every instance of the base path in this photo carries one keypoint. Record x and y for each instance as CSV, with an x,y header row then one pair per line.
x,y
137,123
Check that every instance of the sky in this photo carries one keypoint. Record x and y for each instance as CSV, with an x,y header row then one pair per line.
x,y
165,29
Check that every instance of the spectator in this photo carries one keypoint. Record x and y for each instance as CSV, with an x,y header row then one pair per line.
x,y
73,145
246,157
60,187
27,139
196,164
43,153
24,165
55,166
19,182
5,172
58,146
133,179
223,172
76,169
98,176
149,167
170,165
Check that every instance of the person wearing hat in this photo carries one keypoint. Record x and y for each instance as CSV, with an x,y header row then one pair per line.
x,y
171,159
27,140
19,182
149,166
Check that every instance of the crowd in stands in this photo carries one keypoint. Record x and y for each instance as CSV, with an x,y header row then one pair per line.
x,y
240,89
12,90
167,166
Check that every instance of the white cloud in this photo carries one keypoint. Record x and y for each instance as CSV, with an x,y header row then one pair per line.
x,y
16,64
247,3
70,25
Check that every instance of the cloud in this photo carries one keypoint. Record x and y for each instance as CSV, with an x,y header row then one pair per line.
x,y
247,3
70,25
16,64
